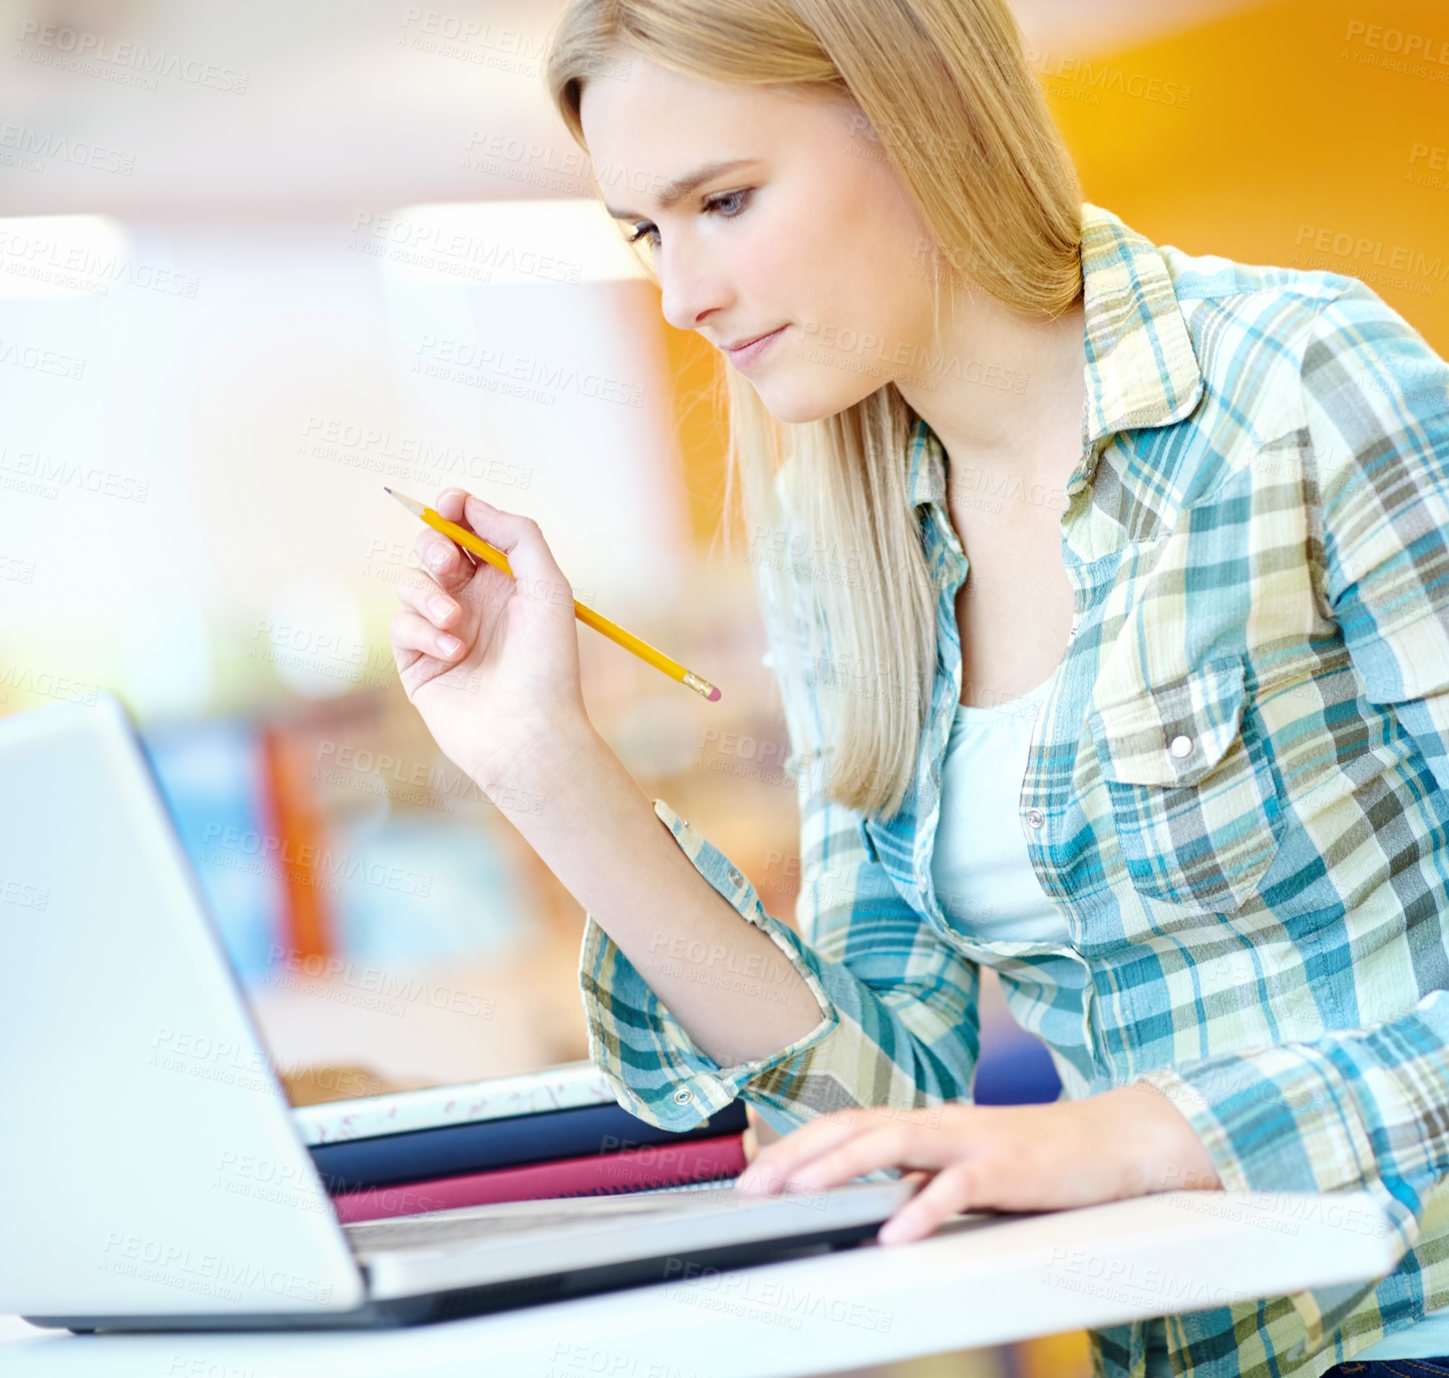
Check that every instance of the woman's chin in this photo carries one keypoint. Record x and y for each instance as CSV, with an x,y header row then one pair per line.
x,y
798,405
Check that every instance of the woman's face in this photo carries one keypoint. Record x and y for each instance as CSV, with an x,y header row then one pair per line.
x,y
812,235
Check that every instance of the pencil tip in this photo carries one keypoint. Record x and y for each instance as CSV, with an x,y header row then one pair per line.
x,y
713,695
416,508
386,489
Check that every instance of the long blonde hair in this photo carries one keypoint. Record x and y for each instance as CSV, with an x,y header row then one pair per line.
x,y
945,88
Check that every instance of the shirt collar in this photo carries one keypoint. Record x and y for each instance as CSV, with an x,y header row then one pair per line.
x,y
1141,368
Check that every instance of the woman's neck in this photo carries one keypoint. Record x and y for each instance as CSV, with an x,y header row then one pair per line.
x,y
1004,388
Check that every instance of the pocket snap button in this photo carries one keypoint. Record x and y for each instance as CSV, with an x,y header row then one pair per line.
x,y
683,1096
735,877
1180,746
1035,817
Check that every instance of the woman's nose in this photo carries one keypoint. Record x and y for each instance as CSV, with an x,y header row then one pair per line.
x,y
689,289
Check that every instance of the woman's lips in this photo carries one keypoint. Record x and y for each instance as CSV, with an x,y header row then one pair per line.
x,y
747,354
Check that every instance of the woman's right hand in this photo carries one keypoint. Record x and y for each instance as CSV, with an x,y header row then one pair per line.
x,y
507,684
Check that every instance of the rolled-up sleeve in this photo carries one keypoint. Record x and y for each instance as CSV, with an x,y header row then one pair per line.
x,y
898,1007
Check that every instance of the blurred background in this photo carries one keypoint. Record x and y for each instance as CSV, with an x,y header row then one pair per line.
x,y
257,261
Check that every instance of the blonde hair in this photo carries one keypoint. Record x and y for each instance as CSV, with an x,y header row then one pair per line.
x,y
945,88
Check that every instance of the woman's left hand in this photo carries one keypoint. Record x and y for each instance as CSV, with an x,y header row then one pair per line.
x,y
1124,1142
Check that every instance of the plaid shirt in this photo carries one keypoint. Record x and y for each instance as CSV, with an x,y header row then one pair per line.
x,y
1237,793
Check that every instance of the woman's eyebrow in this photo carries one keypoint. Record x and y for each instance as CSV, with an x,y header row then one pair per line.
x,y
675,192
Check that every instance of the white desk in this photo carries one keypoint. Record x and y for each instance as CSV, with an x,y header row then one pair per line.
x,y
979,1281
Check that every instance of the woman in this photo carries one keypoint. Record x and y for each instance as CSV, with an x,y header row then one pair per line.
x,y
1196,687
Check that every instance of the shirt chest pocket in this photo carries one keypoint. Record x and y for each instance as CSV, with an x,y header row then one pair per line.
x,y
1194,801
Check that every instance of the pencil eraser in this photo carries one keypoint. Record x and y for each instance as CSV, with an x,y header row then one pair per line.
x,y
713,695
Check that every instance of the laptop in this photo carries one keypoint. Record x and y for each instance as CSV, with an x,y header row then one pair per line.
x,y
152,1176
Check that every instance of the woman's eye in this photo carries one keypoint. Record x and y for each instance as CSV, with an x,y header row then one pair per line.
x,y
722,204
727,198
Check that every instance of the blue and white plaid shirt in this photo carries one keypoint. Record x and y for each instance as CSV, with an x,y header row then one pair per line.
x,y
1237,793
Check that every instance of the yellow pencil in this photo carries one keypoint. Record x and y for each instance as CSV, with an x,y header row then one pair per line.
x,y
612,630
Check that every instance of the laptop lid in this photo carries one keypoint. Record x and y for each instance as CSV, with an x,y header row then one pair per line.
x,y
148,1161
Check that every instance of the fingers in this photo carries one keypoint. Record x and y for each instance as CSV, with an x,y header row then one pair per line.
x,y
423,596
776,1163
951,1190
411,632
450,504
530,560
448,563
894,1145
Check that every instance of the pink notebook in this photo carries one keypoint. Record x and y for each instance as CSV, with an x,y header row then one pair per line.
x,y
634,1169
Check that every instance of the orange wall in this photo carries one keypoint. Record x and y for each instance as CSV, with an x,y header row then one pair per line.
x,y
696,367
1293,128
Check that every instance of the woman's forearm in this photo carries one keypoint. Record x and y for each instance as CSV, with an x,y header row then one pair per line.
x,y
725,980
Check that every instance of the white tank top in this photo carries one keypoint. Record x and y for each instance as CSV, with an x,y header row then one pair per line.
x,y
982,873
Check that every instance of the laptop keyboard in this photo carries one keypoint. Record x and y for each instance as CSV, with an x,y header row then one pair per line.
x,y
515,1217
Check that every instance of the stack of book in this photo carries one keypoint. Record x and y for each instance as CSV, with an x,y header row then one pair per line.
x,y
558,1132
